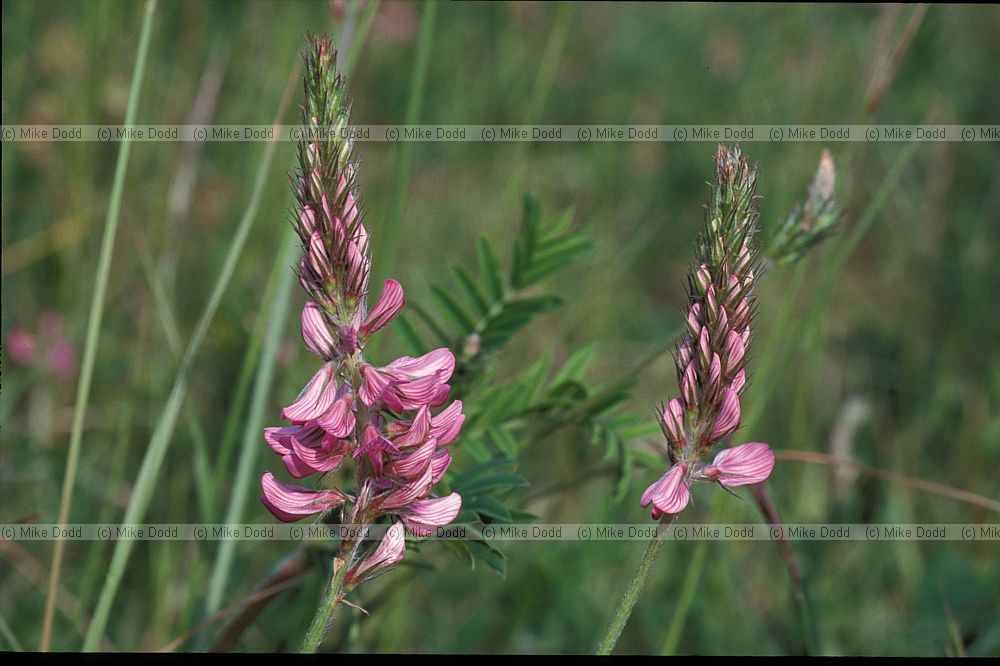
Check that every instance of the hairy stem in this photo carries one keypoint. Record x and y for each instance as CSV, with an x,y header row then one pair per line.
x,y
632,592
332,597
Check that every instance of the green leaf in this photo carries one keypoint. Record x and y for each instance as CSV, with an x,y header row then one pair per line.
x,y
431,322
491,482
464,322
495,559
477,300
487,505
574,365
412,340
504,441
489,268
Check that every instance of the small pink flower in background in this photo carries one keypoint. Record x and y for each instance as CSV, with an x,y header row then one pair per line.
x,y
62,360
49,345
711,360
21,346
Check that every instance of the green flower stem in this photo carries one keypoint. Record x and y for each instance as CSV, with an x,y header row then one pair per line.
x,y
632,593
332,597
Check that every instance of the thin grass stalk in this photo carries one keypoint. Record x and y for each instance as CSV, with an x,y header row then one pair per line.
x,y
404,163
540,90
202,473
94,323
160,441
276,317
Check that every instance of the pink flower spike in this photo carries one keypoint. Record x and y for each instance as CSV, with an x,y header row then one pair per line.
x,y
423,515
727,419
389,552
669,494
290,503
744,464
388,306
315,399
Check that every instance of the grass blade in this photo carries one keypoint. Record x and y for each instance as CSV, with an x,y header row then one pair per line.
x,y
94,323
156,451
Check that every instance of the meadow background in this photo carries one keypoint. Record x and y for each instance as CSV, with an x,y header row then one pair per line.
x,y
881,348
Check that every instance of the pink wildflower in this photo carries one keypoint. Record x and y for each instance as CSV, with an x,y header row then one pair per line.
x,y
378,419
711,360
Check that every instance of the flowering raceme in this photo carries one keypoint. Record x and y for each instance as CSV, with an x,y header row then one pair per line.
x,y
379,418
712,357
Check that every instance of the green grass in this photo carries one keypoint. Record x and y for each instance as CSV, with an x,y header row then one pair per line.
x,y
896,313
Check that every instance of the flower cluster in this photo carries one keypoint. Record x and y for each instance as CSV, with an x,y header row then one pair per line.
x,y
380,418
811,223
711,360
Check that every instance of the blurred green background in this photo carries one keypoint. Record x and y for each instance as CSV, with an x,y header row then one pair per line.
x,y
896,365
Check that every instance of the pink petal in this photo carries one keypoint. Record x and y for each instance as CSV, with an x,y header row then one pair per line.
x,y
417,430
326,457
694,320
704,349
423,515
339,419
714,375
739,381
414,464
735,351
673,422
389,552
315,332
316,255
689,386
446,425
315,399
439,465
440,362
275,438
407,493
744,464
374,385
669,494
389,304
374,445
728,418
415,393
290,503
